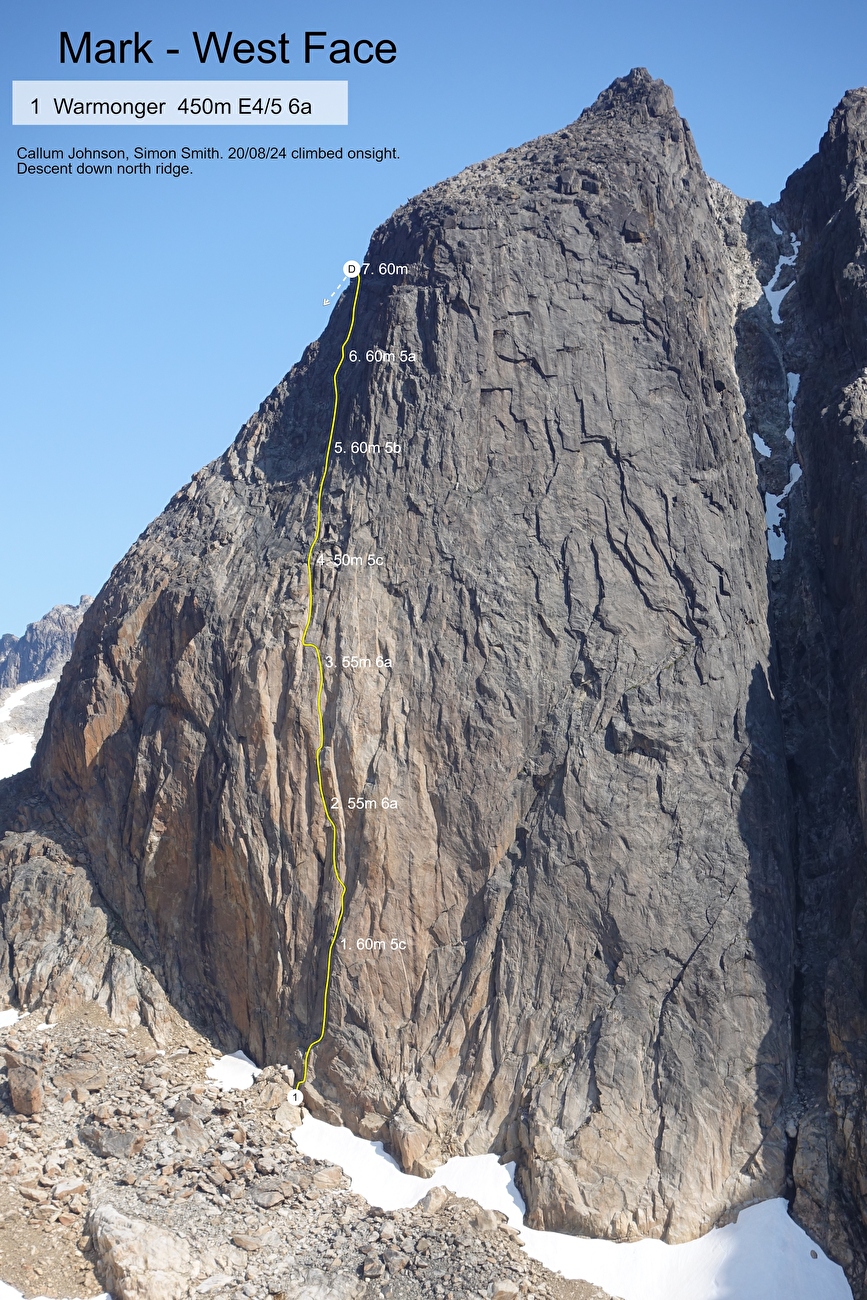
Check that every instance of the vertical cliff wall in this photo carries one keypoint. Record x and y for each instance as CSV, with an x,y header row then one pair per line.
x,y
585,840
819,613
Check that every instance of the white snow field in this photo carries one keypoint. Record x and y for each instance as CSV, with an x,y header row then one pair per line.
x,y
18,747
764,1256
774,295
234,1071
774,513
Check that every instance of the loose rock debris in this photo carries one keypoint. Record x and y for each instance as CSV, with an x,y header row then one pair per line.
x,y
124,1168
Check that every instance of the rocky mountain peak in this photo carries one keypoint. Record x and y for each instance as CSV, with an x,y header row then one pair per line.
x,y
595,155
848,127
833,177
549,656
587,715
44,648
633,98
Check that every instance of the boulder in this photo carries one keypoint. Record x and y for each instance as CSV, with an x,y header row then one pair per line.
x,y
137,1260
108,1142
25,1090
190,1134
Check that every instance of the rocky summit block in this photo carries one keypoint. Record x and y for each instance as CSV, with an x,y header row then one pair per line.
x,y
563,798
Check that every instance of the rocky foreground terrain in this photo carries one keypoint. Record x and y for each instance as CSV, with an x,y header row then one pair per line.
x,y
125,1167
591,607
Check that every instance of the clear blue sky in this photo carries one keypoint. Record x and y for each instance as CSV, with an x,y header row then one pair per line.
x,y
147,317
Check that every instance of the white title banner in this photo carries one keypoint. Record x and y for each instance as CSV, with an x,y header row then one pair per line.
x,y
180,103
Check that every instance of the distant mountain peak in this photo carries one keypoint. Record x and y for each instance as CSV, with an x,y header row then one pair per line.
x,y
44,648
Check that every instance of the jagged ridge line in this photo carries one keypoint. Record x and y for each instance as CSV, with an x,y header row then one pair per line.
x,y
309,645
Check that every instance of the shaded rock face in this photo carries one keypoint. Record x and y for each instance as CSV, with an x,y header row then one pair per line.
x,y
820,613
802,378
44,648
589,858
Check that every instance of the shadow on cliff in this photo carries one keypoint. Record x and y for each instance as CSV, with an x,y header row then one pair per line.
x,y
766,825
798,819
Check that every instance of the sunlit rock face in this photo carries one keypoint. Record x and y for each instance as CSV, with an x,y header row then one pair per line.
x,y
591,772
588,858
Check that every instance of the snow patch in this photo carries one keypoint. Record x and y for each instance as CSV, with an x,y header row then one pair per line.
x,y
794,382
774,515
20,694
16,753
775,296
230,1072
380,1180
8,1017
17,749
761,446
764,1256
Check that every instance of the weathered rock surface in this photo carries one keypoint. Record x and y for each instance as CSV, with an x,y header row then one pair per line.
x,y
44,648
821,612
801,375
62,949
137,1260
586,860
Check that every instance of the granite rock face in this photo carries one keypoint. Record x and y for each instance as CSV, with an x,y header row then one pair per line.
x,y
801,359
588,859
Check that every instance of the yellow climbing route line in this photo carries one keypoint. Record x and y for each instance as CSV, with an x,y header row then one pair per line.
x,y
309,645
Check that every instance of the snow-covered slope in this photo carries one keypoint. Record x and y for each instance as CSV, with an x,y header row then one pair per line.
x,y
763,1256
30,667
22,716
